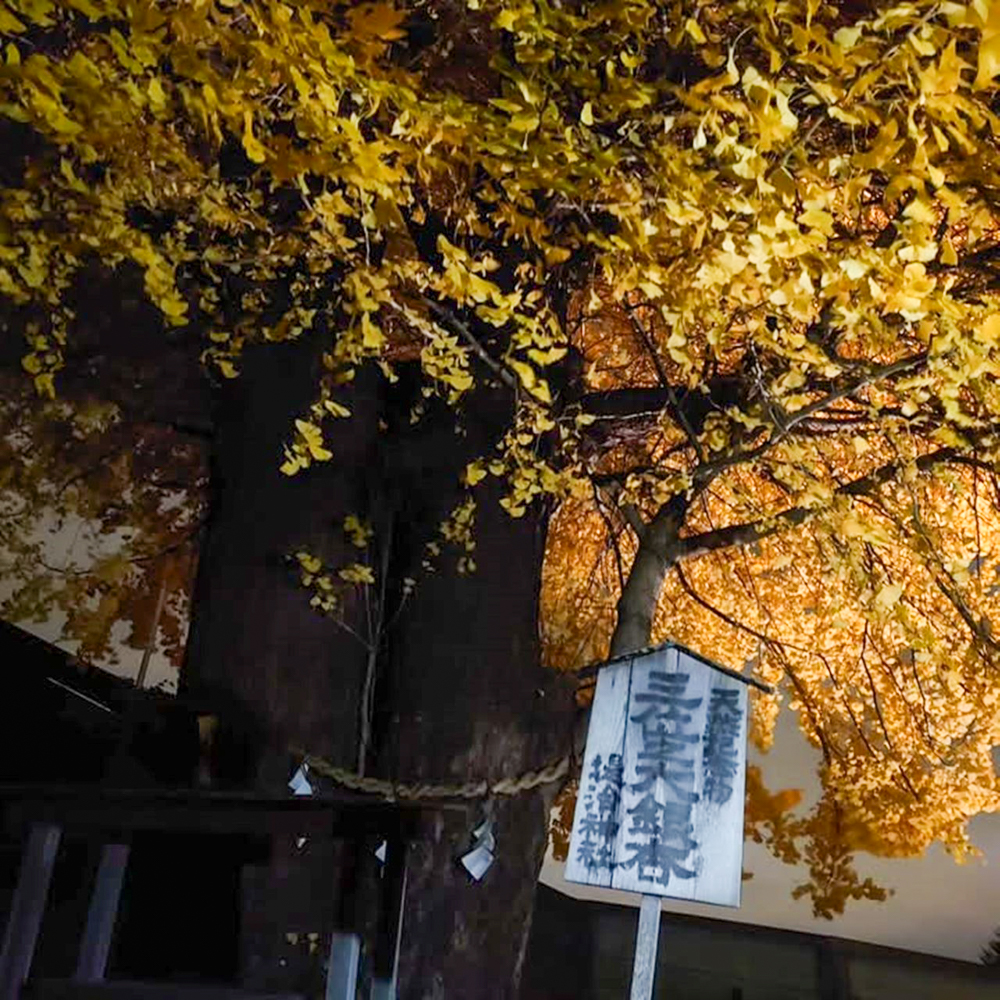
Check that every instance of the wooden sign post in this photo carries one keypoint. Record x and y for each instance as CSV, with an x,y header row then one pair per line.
x,y
660,806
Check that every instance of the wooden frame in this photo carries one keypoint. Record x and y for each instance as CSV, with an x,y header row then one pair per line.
x,y
114,813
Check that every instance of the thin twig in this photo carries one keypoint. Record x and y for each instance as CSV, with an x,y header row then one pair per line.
x,y
665,382
376,630
467,335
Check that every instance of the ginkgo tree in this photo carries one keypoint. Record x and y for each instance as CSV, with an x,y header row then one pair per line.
x,y
99,513
726,274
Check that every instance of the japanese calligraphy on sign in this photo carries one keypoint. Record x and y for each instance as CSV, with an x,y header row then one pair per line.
x,y
660,808
599,822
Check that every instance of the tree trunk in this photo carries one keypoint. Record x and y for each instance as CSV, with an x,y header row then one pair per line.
x,y
469,701
276,671
465,698
656,555
461,691
653,560
256,648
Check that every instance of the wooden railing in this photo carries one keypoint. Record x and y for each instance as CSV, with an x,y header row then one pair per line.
x,y
44,813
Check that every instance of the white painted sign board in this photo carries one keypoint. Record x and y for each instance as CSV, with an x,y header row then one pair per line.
x,y
660,807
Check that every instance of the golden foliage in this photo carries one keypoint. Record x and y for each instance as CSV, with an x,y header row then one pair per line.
x,y
97,513
781,216
561,827
876,617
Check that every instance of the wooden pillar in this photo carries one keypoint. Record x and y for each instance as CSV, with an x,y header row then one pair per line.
x,y
96,942
342,972
346,943
27,908
390,922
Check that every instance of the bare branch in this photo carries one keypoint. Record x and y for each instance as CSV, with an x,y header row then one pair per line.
x,y
744,534
728,619
665,382
612,535
787,423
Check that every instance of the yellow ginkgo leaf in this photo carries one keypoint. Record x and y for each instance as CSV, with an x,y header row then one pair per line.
x,y
989,49
524,372
377,20
474,473
371,336
312,438
254,150
335,408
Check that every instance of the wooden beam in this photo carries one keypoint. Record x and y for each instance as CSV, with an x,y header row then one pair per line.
x,y
108,809
27,908
97,934
121,989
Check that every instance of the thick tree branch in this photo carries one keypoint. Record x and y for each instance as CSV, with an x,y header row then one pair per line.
x,y
656,554
873,375
690,407
634,519
630,513
785,424
652,401
749,532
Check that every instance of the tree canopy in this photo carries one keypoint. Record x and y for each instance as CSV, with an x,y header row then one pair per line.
x,y
734,265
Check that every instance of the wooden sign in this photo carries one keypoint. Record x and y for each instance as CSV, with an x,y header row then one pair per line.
x,y
660,807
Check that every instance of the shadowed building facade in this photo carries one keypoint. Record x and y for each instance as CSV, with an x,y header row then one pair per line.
x,y
582,950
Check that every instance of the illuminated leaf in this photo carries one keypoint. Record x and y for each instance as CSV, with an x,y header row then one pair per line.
x,y
254,150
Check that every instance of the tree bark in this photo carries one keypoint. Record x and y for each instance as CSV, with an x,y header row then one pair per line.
x,y
657,552
256,649
462,695
659,549
276,672
465,698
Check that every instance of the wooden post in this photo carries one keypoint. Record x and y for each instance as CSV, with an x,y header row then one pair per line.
x,y
644,965
27,907
390,922
96,942
357,916
342,972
